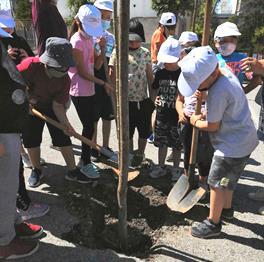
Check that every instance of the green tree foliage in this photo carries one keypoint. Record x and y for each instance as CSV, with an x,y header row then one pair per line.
x,y
251,24
23,10
74,5
175,6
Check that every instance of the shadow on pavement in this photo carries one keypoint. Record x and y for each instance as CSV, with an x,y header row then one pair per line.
x,y
176,254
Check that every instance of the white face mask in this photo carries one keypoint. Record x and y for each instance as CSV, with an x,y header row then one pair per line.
x,y
227,49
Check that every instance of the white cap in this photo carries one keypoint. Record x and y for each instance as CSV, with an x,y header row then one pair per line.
x,y
6,19
188,36
196,67
226,29
168,19
169,51
3,33
90,18
104,5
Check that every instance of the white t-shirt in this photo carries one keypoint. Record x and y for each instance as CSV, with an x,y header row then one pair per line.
x,y
227,103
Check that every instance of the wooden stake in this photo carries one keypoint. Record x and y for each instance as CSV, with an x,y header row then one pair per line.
x,y
123,25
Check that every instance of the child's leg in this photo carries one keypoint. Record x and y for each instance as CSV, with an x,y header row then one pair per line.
x,y
217,201
142,142
106,129
176,154
94,139
228,199
162,155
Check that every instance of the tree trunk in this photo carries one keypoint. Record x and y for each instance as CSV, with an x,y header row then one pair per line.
x,y
195,11
207,21
124,120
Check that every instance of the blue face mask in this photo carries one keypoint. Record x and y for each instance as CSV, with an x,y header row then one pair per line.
x,y
106,24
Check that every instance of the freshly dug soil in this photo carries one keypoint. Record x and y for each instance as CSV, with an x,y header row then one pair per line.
x,y
97,209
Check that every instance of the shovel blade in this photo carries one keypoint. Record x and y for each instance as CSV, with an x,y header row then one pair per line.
x,y
178,191
190,200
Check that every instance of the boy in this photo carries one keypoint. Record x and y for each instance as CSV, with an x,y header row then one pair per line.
x,y
232,131
226,40
166,125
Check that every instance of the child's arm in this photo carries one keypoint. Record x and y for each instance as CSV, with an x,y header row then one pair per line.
x,y
199,122
150,81
179,108
78,58
99,59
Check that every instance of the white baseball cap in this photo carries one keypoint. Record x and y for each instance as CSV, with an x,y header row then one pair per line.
x,y
169,51
3,33
168,19
90,18
188,36
226,29
6,19
104,5
196,67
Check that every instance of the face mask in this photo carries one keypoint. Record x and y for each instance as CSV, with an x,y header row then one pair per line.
x,y
53,73
106,24
227,49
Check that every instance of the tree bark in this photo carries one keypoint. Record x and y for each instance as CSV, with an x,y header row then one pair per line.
x,y
124,120
207,21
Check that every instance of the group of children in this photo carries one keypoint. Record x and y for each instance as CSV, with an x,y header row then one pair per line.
x,y
167,80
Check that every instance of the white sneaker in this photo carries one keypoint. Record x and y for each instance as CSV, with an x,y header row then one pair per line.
x,y
35,210
26,161
158,171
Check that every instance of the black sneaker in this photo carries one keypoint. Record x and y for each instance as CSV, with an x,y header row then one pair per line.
x,y
76,176
228,213
95,155
206,229
170,157
34,179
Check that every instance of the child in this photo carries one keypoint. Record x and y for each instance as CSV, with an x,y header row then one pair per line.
x,y
166,126
103,103
87,25
226,40
232,131
140,76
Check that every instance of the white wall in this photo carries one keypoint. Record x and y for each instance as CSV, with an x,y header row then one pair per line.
x,y
141,8
63,8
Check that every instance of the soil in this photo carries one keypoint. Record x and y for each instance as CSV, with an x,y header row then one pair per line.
x,y
148,216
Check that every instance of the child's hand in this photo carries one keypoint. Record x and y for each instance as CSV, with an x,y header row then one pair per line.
x,y
194,118
2,150
182,118
22,54
108,88
198,94
102,42
69,130
157,101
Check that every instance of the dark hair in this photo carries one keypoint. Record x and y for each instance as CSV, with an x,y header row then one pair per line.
x,y
136,27
76,24
170,27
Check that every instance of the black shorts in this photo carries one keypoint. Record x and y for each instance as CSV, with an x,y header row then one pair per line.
x,y
103,107
205,150
166,128
32,133
140,118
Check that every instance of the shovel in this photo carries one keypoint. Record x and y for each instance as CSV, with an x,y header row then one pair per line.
x,y
132,174
186,193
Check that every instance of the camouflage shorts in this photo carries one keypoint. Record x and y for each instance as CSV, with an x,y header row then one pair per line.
x,y
166,129
226,171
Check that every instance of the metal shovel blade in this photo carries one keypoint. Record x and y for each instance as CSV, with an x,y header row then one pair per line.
x,y
190,200
178,191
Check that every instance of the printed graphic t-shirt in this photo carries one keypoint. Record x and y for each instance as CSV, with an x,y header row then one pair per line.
x,y
137,77
232,63
166,83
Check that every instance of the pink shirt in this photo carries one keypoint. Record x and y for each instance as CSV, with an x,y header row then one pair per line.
x,y
79,85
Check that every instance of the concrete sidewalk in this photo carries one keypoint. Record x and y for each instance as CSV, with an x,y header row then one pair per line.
x,y
242,239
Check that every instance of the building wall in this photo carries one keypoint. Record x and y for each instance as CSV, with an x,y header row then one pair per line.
x,y
63,8
141,8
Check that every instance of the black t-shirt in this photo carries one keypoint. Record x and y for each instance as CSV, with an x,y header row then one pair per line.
x,y
166,83
17,42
